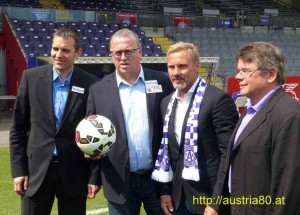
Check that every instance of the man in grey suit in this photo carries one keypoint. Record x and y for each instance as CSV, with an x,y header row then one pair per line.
x,y
262,168
130,98
45,160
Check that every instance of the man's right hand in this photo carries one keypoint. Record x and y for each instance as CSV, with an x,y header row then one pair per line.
x,y
210,211
20,185
166,204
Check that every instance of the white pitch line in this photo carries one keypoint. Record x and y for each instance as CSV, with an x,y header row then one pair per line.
x,y
97,211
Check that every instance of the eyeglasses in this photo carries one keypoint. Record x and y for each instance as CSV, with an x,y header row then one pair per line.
x,y
244,72
127,52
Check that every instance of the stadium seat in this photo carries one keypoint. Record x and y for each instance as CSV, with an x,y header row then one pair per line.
x,y
85,40
95,40
19,31
59,24
157,51
27,47
89,47
99,33
37,24
49,23
23,39
72,24
102,47
25,23
123,25
93,25
86,54
35,38
104,26
42,31
105,40
15,22
88,33
147,41
82,24
114,27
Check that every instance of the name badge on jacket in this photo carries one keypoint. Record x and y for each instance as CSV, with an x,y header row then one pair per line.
x,y
77,89
153,87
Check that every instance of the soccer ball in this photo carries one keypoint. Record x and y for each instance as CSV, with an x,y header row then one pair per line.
x,y
95,135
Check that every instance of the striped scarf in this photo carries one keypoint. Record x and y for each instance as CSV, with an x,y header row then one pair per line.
x,y
163,171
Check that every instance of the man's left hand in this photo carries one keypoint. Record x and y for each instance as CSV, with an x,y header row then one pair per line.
x,y
93,190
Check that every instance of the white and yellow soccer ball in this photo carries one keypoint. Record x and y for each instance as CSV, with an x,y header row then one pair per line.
x,y
95,135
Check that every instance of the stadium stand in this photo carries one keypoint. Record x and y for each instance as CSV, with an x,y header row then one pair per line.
x,y
220,43
223,43
21,3
96,22
54,4
95,37
95,5
231,8
213,39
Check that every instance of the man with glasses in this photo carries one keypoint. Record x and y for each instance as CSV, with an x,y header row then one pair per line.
x,y
262,168
130,98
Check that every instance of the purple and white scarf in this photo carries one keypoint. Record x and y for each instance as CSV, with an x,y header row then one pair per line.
x,y
163,171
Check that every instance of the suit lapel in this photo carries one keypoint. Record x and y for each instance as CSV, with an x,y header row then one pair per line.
x,y
112,87
174,145
257,120
46,88
231,141
231,144
150,97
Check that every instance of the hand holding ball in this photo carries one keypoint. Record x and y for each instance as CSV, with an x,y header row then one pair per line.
x,y
95,135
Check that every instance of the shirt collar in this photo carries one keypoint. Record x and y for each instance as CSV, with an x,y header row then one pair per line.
x,y
55,76
191,90
120,80
259,104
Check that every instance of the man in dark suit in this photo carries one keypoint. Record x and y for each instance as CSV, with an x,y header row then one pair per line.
x,y
198,122
262,168
130,98
45,160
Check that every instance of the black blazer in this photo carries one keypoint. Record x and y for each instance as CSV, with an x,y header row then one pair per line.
x,y
104,100
33,134
265,159
216,121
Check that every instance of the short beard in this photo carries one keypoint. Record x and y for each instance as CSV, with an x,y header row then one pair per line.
x,y
179,86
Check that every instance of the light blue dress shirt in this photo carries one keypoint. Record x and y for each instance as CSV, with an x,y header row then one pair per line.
x,y
134,105
60,93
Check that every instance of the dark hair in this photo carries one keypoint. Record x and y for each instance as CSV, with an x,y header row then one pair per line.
x,y
67,32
